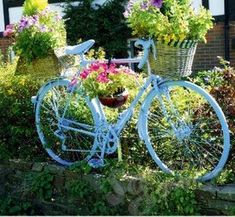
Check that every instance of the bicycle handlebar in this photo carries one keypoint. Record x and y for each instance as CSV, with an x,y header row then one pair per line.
x,y
146,46
85,46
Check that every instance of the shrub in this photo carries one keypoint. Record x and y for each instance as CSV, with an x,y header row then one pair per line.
x,y
105,24
220,82
18,136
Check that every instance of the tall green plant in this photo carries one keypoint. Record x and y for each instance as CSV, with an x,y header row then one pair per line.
x,y
106,24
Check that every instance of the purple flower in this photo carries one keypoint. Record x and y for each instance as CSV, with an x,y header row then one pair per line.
x,y
156,3
144,5
128,8
58,17
43,28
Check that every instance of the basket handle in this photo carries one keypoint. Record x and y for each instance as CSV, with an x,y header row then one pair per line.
x,y
146,44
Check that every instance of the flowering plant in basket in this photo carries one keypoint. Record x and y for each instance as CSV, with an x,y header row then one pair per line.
x,y
38,32
107,80
168,20
175,27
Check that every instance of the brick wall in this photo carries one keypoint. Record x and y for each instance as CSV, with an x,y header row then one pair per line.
x,y
206,55
4,44
232,42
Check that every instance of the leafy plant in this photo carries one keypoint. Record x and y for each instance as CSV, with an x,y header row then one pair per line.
x,y
168,20
32,7
18,136
41,184
9,206
106,24
220,82
37,33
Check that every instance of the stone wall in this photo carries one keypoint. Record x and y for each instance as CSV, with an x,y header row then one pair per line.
x,y
213,200
217,200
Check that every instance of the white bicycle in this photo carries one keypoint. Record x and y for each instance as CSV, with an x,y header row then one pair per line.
x,y
186,134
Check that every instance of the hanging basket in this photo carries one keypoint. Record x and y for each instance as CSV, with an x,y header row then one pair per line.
x,y
173,60
46,68
114,101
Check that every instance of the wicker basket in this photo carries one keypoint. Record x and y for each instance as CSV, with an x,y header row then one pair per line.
x,y
46,68
174,60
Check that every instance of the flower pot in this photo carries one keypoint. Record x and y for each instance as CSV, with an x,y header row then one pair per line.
x,y
114,101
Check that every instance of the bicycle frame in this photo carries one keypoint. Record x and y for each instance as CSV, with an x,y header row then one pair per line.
x,y
105,135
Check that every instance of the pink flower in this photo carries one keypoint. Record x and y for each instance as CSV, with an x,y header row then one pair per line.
x,y
9,31
102,78
84,74
95,66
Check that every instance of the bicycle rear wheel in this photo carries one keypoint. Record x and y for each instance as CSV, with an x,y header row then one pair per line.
x,y
184,129
59,114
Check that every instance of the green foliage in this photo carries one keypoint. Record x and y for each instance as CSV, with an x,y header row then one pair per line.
x,y
36,36
105,24
181,22
18,136
40,184
10,206
220,83
32,7
90,203
156,193
25,44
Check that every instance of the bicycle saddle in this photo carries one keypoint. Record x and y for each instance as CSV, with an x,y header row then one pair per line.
x,y
80,48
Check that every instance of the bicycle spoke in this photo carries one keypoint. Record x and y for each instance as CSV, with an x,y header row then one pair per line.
x,y
190,135
55,102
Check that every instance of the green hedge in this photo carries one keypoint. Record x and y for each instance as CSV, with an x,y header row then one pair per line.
x,y
18,136
106,24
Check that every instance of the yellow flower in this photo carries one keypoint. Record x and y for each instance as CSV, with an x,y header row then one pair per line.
x,y
182,37
173,37
31,7
167,38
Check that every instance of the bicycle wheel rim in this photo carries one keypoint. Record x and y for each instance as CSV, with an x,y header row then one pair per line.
x,y
50,105
198,99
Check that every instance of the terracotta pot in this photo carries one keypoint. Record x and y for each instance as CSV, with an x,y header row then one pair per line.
x,y
115,101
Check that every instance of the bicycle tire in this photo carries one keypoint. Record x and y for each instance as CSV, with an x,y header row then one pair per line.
x,y
51,102
204,150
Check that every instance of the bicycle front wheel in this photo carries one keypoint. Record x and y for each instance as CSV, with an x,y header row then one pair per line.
x,y
65,123
184,129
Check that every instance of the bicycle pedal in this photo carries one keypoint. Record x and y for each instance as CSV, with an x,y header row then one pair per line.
x,y
96,162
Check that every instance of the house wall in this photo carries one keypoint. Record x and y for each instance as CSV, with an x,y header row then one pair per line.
x,y
206,54
2,23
